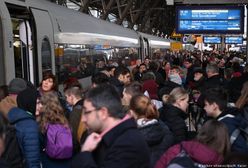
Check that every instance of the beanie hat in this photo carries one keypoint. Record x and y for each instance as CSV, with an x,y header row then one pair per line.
x,y
17,85
26,99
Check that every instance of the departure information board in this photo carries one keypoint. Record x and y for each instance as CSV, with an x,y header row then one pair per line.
x,y
210,19
234,40
212,39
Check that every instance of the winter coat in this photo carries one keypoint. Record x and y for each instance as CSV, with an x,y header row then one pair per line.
x,y
74,122
122,147
175,119
198,152
158,137
27,133
233,119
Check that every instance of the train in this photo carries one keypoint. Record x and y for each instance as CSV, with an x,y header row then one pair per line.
x,y
38,36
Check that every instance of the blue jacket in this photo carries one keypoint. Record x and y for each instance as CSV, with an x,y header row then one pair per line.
x,y
232,122
122,147
27,133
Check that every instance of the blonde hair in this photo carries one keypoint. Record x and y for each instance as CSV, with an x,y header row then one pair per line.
x,y
143,107
176,94
243,99
52,111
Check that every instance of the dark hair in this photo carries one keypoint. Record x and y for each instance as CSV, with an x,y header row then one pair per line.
x,y
99,78
143,107
105,95
133,88
71,82
215,135
218,96
121,70
47,75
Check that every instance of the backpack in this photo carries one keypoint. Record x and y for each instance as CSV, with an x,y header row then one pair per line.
x,y
58,141
12,154
183,160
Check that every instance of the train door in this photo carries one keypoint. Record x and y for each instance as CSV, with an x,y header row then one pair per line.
x,y
21,57
45,41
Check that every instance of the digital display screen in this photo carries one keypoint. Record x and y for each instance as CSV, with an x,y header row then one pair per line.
x,y
210,19
234,40
212,39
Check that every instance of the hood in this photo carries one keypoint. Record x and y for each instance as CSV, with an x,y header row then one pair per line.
x,y
153,133
17,114
202,153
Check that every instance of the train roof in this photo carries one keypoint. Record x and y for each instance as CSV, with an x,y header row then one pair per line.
x,y
74,27
156,42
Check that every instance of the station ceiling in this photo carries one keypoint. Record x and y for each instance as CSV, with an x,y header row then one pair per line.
x,y
147,16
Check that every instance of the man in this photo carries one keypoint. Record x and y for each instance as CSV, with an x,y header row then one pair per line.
x,y
115,140
122,77
213,77
216,107
74,98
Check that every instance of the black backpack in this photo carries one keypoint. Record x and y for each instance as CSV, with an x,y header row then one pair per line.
x,y
12,154
183,160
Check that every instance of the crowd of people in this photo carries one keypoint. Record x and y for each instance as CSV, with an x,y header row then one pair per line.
x,y
185,109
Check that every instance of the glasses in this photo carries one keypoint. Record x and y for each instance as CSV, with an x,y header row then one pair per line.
x,y
89,111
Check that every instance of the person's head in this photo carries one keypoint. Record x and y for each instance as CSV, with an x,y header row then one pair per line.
x,y
174,75
99,78
111,70
52,111
73,95
215,135
188,63
123,75
130,90
215,101
48,82
101,104
3,91
142,107
26,99
153,66
212,69
198,74
166,65
179,97
142,68
17,85
71,82
243,98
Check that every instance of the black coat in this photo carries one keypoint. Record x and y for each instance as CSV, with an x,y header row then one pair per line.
x,y
175,119
122,147
159,138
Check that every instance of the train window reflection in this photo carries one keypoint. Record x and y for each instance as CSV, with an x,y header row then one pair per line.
x,y
82,61
46,55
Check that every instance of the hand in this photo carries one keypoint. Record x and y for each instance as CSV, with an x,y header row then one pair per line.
x,y
91,142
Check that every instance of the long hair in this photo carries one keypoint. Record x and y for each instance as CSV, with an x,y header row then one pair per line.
x,y
215,135
51,111
176,94
243,99
143,107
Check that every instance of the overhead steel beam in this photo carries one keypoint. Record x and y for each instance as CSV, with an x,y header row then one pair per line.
x,y
106,12
84,6
137,15
211,2
124,13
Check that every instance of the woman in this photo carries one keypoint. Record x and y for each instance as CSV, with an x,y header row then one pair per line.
x,y
51,115
209,148
157,134
174,113
48,83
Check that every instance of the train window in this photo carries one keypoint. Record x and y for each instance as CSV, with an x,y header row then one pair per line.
x,y
46,55
82,61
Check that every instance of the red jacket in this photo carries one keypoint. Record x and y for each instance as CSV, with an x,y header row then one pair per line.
x,y
197,151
